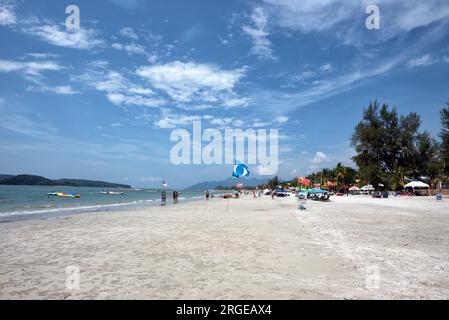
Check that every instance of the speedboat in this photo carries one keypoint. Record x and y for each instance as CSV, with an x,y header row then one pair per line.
x,y
64,194
113,192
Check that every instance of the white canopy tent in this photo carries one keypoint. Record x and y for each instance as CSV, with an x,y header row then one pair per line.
x,y
417,188
354,190
417,185
368,187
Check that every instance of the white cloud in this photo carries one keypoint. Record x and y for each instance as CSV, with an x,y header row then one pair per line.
x,y
281,119
32,71
129,33
111,82
319,158
236,102
258,31
188,81
65,90
7,14
42,55
137,100
326,67
29,68
55,35
260,124
119,90
130,48
425,60
169,120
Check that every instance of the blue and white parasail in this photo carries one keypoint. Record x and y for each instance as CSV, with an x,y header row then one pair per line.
x,y
240,169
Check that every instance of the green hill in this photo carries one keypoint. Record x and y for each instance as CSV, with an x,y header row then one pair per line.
x,y
32,180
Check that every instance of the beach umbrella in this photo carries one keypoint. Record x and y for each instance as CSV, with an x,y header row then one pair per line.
x,y
240,169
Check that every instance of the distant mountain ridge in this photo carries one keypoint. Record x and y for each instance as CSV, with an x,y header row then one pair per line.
x,y
32,180
229,182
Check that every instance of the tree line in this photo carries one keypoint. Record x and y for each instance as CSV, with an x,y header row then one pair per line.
x,y
391,150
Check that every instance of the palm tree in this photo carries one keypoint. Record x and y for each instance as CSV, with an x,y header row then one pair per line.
x,y
340,171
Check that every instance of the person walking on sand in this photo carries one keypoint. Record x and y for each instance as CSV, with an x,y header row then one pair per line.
x,y
207,194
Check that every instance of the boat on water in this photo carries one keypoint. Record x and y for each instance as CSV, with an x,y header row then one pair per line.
x,y
64,194
120,193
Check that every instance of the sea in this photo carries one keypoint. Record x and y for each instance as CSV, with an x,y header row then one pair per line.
x,y
33,202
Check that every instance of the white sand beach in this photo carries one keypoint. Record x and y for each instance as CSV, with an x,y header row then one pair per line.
x,y
353,247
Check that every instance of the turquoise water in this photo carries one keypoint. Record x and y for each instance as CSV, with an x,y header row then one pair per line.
x,y
29,202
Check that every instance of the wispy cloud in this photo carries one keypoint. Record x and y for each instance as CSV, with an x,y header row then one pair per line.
x,y
342,19
425,60
118,89
56,35
131,48
128,33
170,120
7,14
34,68
258,31
65,90
309,75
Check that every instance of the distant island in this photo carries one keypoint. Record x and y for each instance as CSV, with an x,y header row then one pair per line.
x,y
32,180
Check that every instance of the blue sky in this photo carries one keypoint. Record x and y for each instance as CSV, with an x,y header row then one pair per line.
x,y
101,102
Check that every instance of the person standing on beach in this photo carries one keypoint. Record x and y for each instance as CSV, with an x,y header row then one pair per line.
x,y
175,196
207,194
163,198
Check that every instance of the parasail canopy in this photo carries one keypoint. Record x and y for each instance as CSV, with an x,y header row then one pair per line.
x,y
240,169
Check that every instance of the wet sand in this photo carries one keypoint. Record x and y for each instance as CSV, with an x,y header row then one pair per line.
x,y
350,248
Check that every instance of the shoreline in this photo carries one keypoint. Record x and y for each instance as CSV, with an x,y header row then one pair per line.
x,y
235,249
48,212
